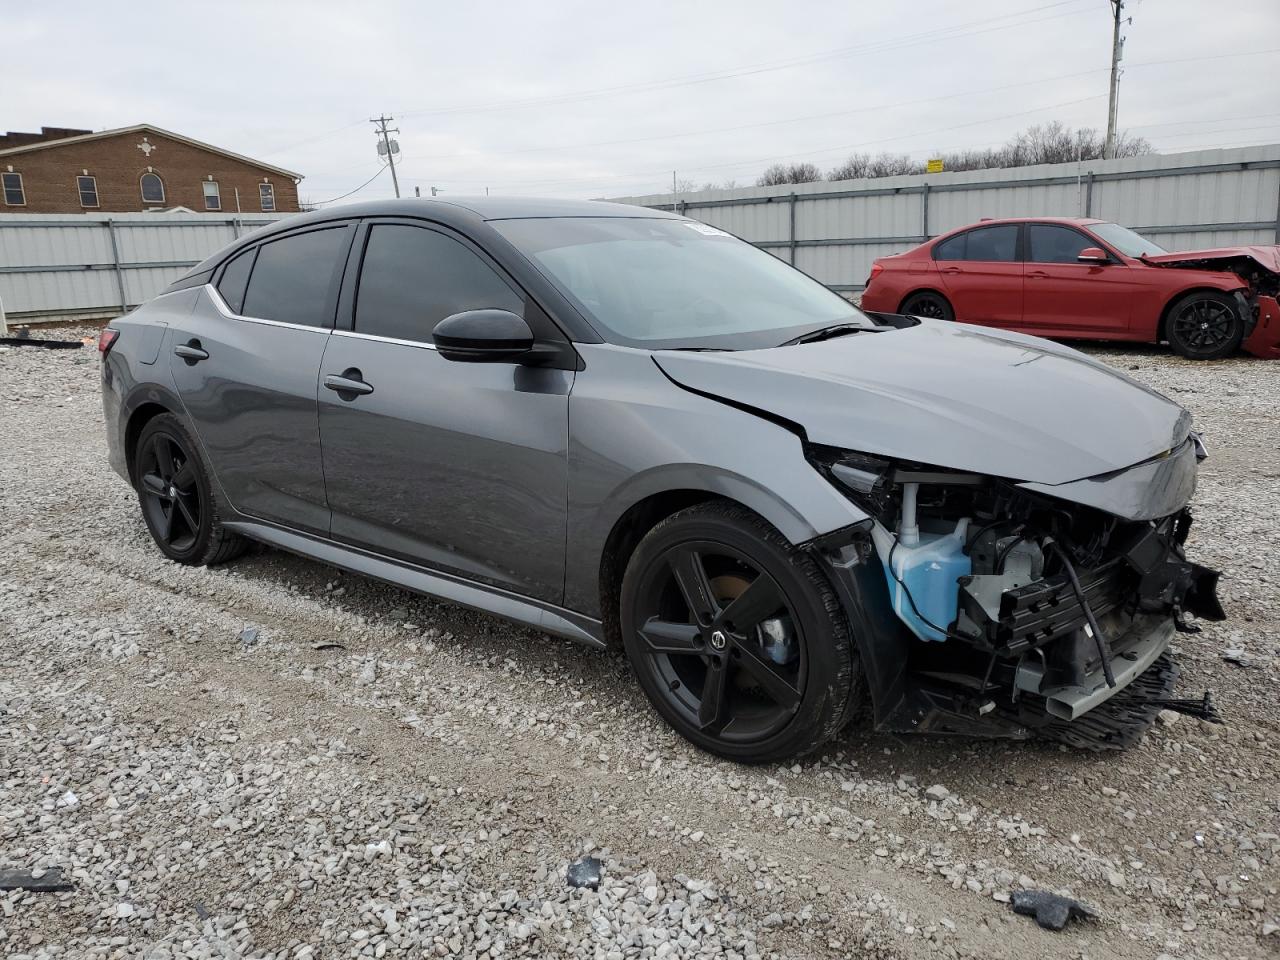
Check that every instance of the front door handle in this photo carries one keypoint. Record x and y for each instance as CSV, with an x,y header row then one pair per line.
x,y
191,352
349,385
1038,275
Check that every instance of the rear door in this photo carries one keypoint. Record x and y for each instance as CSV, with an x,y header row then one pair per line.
x,y
246,363
982,274
1064,297
461,467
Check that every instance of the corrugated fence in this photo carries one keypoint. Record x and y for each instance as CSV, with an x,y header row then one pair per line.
x,y
95,265
834,230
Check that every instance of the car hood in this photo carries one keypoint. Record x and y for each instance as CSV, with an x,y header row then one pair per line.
x,y
949,395
1267,257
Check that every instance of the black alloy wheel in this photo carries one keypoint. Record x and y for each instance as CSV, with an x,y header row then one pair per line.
x,y
933,306
177,499
726,624
1205,325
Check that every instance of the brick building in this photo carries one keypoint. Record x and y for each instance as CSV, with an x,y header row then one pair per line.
x,y
63,170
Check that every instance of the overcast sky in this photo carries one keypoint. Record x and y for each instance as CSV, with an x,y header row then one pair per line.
x,y
578,98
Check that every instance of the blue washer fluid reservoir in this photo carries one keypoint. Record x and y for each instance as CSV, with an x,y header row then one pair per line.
x,y
929,569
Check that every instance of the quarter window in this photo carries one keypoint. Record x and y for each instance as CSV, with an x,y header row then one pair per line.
x,y
212,196
267,194
1049,243
152,188
412,278
995,244
88,188
14,195
294,280
235,278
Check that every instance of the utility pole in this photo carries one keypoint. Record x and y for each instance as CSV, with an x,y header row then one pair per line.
x,y
675,194
1117,49
388,150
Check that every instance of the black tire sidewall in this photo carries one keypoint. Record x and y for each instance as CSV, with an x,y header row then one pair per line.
x,y
173,428
1224,350
948,314
827,647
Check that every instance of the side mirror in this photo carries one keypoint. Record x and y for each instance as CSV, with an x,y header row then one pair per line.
x,y
1095,255
483,336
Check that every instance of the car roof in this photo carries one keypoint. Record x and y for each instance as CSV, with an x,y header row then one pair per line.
x,y
483,208
988,221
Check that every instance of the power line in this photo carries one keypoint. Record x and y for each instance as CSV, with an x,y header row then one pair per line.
x,y
356,190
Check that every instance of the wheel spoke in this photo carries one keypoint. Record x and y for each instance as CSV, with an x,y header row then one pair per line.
x,y
188,517
761,599
777,687
691,576
713,710
163,451
663,636
154,484
185,476
166,523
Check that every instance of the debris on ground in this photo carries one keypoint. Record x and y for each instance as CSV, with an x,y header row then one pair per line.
x,y
585,873
1239,657
1050,910
248,637
33,881
328,645
23,339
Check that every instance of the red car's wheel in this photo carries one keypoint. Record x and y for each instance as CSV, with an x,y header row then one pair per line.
x,y
1205,325
927,304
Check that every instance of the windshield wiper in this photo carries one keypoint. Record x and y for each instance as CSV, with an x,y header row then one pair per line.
x,y
828,333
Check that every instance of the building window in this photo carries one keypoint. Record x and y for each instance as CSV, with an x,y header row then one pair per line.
x,y
212,198
13,193
267,194
152,188
88,187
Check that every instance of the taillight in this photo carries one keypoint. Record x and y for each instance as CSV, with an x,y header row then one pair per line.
x,y
106,337
877,268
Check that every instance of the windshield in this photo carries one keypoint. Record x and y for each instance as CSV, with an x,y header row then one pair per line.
x,y
669,284
1125,240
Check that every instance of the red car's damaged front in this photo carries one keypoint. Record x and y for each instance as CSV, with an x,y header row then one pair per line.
x,y
1258,269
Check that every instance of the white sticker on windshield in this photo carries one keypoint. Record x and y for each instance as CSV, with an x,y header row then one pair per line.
x,y
705,229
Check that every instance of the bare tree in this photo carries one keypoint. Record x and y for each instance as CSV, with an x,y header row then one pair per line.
x,y
789,173
1047,143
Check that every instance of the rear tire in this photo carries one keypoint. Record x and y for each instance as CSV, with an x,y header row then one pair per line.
x,y
759,666
928,304
177,497
1205,325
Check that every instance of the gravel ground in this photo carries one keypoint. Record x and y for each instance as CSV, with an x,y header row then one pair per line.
x,y
421,788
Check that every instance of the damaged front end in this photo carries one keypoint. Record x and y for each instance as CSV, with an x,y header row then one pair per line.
x,y
1258,268
991,607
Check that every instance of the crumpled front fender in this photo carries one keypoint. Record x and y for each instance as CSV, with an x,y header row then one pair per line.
x,y
1264,340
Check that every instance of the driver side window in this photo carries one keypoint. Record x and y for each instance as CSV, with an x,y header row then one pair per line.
x,y
412,278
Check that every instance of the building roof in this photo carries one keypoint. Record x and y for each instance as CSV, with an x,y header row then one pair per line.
x,y
146,128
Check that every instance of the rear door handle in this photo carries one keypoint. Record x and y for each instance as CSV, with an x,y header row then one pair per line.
x,y
350,382
191,352
1038,275
952,270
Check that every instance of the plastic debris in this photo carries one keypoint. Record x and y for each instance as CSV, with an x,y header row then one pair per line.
x,y
248,637
34,881
69,800
24,339
328,645
1050,910
585,873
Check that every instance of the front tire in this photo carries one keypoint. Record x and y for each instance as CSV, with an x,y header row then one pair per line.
x,y
176,494
1205,325
927,303
737,637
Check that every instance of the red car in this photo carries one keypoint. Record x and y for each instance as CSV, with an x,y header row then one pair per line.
x,y
1087,279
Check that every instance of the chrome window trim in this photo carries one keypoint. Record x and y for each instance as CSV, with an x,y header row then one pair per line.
x,y
222,308
373,336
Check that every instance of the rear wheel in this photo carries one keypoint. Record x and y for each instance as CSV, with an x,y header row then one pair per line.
x,y
926,303
736,636
1205,325
177,497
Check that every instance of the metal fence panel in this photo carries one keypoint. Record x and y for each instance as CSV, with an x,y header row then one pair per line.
x,y
833,231
67,265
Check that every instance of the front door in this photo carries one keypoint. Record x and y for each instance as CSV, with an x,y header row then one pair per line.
x,y
461,467
245,363
1063,297
982,275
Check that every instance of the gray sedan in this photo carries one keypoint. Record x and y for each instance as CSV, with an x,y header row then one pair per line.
x,y
637,431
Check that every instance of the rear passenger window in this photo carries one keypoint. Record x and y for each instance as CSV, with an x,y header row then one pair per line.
x,y
1054,244
235,278
412,278
295,280
998,244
